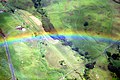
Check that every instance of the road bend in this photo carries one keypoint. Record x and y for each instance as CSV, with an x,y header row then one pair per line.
x,y
9,59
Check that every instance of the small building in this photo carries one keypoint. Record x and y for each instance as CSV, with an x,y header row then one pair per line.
x,y
21,28
2,11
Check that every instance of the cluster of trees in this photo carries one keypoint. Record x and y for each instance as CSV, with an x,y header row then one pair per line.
x,y
65,42
47,25
90,65
114,62
86,74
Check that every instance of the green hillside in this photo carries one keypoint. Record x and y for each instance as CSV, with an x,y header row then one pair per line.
x,y
59,40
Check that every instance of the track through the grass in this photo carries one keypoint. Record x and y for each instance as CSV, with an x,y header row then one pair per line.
x,y
9,59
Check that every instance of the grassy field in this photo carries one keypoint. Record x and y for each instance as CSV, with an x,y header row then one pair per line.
x,y
35,61
8,23
28,61
4,68
100,16
29,64
73,14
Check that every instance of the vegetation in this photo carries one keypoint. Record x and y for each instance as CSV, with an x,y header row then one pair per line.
x,y
25,5
114,60
65,15
54,56
4,67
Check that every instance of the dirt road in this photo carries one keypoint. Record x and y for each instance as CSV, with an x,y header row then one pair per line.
x,y
9,59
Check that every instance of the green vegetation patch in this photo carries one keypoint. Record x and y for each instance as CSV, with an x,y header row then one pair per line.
x,y
74,14
4,67
29,64
8,22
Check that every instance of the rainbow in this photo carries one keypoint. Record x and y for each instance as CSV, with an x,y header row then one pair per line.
x,y
24,37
